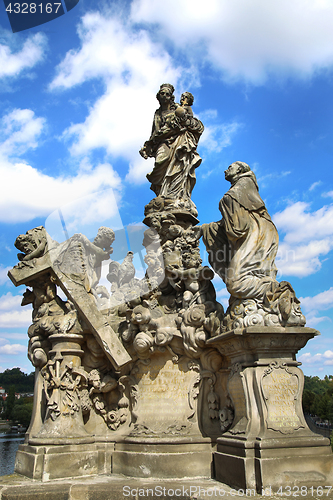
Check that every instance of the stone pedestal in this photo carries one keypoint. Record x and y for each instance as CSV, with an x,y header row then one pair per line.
x,y
164,439
45,463
269,443
63,376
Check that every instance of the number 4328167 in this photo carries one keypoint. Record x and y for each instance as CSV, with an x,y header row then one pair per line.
x,y
33,8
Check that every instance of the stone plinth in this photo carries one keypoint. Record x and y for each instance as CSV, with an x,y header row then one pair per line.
x,y
164,439
269,443
45,463
165,396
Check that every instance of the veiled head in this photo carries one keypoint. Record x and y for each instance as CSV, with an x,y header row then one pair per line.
x,y
165,94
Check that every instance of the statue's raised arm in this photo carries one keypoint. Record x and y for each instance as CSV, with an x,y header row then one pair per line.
x,y
173,142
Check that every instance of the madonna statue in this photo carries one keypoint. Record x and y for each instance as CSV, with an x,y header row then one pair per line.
x,y
173,141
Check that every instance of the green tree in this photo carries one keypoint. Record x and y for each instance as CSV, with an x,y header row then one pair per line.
x,y
308,400
323,409
317,385
10,401
21,381
2,408
22,411
318,396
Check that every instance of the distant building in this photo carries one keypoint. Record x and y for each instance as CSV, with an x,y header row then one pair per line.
x,y
3,394
18,395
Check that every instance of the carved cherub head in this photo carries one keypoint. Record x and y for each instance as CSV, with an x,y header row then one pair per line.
x,y
95,379
175,230
25,243
104,238
186,99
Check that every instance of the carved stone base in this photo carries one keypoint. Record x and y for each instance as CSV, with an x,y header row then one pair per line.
x,y
46,463
164,439
164,397
269,443
163,459
274,463
183,209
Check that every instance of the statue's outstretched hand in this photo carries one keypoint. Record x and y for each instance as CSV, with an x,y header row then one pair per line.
x,y
143,153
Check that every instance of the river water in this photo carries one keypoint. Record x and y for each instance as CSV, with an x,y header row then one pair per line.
x,y
9,444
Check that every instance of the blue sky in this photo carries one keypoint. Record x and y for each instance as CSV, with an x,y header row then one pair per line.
x,y
77,101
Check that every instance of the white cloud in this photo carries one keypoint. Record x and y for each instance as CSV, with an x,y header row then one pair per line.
x,y
298,222
132,68
38,194
49,193
325,358
3,274
20,129
110,47
12,314
221,295
15,319
315,185
12,349
85,215
308,237
217,137
329,194
262,179
322,301
312,306
247,40
302,260
12,336
13,63
312,320
9,301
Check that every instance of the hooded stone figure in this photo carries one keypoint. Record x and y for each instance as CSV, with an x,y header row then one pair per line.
x,y
242,246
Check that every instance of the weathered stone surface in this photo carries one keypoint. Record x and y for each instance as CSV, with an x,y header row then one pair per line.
x,y
75,267
242,248
151,379
175,387
119,487
46,463
164,459
269,443
173,143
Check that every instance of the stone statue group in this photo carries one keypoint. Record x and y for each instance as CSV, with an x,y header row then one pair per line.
x,y
142,363
243,245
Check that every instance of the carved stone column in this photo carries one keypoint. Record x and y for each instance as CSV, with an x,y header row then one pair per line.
x,y
269,443
63,377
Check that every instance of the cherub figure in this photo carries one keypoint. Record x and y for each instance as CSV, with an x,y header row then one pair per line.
x,y
186,101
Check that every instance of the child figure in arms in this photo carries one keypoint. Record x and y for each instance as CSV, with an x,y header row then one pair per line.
x,y
186,101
